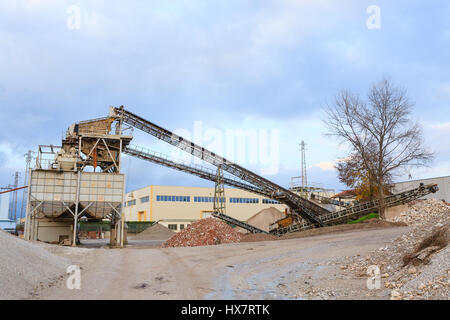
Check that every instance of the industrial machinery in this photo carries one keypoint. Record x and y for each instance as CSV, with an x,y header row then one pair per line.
x,y
65,186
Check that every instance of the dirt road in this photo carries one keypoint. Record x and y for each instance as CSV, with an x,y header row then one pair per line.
x,y
290,269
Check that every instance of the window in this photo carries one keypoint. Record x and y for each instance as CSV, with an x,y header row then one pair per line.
x,y
173,198
132,203
205,199
243,200
270,201
181,226
172,227
145,199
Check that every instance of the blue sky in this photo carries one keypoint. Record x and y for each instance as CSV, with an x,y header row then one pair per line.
x,y
229,64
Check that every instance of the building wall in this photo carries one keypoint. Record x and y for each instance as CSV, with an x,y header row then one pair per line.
x,y
148,204
442,182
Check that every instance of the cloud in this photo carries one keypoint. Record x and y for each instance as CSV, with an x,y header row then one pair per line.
x,y
230,64
326,166
441,126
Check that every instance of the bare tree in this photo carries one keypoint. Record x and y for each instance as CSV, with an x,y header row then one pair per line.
x,y
379,132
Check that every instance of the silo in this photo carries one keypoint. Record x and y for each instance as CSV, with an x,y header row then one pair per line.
x,y
65,185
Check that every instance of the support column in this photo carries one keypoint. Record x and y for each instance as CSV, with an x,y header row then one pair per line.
x,y
75,218
26,230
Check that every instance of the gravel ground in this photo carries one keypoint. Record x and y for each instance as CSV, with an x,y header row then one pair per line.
x,y
287,269
26,267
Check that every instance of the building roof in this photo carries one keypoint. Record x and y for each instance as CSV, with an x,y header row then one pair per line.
x,y
417,180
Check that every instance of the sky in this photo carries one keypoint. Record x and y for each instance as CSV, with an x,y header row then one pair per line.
x,y
208,68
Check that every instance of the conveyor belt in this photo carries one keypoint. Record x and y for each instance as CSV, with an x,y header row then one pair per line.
x,y
199,171
313,214
238,223
305,208
362,209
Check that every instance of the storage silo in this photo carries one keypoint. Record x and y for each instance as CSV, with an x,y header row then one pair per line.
x,y
65,185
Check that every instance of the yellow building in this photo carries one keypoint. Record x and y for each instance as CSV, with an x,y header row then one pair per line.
x,y
177,207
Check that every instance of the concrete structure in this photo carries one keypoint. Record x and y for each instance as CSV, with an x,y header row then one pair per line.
x,y
5,223
177,207
442,182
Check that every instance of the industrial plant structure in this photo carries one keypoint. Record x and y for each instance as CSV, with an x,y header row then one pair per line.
x,y
79,180
65,186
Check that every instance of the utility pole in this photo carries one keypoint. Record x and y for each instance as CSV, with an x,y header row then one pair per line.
x,y
303,165
28,159
16,185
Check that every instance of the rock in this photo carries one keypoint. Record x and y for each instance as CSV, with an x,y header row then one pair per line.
x,y
385,275
425,253
395,295
422,286
412,270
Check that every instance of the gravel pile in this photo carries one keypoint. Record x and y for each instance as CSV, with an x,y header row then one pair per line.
x,y
427,275
155,232
264,218
422,211
204,232
26,266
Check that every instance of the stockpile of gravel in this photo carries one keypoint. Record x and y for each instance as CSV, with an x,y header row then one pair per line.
x,y
25,265
416,265
204,232
265,218
155,232
422,211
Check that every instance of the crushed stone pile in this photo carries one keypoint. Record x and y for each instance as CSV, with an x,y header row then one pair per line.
x,y
204,232
155,232
422,211
264,218
25,266
416,265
